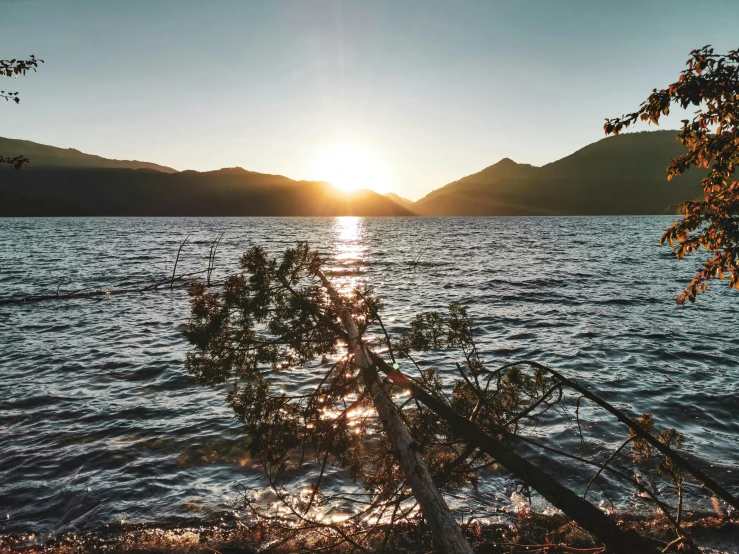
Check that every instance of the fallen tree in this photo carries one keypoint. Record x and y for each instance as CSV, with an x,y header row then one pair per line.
x,y
406,448
446,531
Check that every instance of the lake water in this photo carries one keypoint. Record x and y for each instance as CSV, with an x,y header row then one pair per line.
x,y
99,422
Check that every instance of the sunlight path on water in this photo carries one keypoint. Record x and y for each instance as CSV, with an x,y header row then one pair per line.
x,y
99,421
348,253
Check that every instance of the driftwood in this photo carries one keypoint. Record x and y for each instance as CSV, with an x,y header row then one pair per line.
x,y
312,318
212,257
577,508
182,281
580,510
174,269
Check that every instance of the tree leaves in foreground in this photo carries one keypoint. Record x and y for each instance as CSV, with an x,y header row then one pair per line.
x,y
16,68
710,83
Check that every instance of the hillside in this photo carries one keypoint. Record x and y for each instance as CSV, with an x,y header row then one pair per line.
x,y
19,205
42,155
400,200
624,174
616,175
143,192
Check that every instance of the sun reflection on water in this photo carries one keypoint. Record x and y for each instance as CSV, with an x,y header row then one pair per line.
x,y
349,252
345,266
349,234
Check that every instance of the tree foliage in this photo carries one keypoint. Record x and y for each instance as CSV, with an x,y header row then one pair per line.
x,y
275,318
711,83
16,68
274,323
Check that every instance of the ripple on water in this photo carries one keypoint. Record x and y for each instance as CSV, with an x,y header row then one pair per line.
x,y
100,422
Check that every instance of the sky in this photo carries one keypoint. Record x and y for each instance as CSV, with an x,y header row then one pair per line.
x,y
399,95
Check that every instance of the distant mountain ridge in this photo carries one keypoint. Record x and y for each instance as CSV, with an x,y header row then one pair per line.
x,y
621,175
400,200
143,192
43,155
67,182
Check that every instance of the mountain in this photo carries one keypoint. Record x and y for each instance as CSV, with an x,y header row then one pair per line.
x,y
624,174
65,181
19,205
42,155
144,192
617,175
400,200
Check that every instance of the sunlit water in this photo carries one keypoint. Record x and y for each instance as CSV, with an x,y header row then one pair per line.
x,y
99,422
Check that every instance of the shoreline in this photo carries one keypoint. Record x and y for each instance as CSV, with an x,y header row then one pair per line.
x,y
525,531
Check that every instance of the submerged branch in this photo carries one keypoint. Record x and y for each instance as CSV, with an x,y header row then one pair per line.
x,y
182,281
638,430
580,510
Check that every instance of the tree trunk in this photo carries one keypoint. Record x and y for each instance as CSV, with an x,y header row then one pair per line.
x,y
444,528
583,512
636,428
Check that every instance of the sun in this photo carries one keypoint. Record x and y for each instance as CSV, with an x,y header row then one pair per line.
x,y
350,166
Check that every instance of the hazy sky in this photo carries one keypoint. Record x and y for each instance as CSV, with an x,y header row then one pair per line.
x,y
431,90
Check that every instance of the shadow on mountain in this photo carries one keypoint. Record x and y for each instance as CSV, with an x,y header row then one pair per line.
x,y
621,175
226,192
20,205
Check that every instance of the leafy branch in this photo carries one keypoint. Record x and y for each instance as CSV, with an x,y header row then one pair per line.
x,y
711,83
16,68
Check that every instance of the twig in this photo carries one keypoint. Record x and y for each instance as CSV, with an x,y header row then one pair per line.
x,y
605,464
532,547
212,257
417,259
102,292
634,426
177,260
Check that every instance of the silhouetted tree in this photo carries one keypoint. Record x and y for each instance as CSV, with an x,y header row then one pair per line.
x,y
404,435
14,68
710,82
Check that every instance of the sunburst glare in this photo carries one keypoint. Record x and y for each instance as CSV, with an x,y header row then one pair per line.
x,y
350,166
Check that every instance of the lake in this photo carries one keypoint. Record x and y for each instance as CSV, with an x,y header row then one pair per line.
x,y
100,422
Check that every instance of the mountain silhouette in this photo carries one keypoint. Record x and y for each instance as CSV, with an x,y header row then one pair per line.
x,y
145,192
622,175
42,155
625,174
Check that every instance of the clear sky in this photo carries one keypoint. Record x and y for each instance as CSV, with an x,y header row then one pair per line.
x,y
411,94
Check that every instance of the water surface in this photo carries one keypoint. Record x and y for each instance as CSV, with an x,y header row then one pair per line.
x,y
99,422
